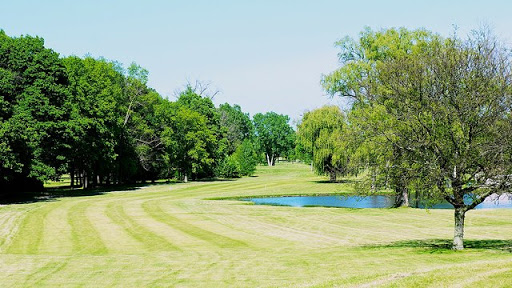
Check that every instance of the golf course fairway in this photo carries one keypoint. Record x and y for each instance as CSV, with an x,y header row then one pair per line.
x,y
180,235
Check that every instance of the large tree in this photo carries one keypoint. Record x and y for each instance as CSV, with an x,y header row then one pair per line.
x,y
33,113
356,79
201,139
97,120
449,103
274,135
321,133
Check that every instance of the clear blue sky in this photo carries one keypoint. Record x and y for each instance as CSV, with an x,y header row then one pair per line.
x,y
262,55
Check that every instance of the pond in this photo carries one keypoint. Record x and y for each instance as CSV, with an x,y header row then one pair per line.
x,y
374,201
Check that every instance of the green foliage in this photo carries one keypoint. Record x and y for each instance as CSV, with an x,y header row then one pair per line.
x,y
101,124
229,168
97,117
274,135
237,124
200,142
246,157
375,147
321,133
33,113
437,111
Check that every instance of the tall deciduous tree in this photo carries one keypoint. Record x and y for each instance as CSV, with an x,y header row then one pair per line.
x,y
97,120
33,113
274,135
449,102
455,99
200,134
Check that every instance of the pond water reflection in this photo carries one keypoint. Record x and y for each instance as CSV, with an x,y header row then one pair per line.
x,y
374,201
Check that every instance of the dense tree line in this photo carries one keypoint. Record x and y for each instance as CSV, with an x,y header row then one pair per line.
x,y
101,124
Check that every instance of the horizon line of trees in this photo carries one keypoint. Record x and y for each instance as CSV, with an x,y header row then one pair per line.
x,y
100,123
428,114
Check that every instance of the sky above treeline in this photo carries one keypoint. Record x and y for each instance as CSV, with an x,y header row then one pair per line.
x,y
262,55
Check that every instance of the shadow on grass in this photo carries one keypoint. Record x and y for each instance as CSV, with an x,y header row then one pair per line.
x,y
216,180
441,245
50,194
340,181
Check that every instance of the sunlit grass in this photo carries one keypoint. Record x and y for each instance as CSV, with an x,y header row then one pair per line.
x,y
176,235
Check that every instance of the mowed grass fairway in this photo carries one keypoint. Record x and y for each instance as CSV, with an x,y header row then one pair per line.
x,y
173,235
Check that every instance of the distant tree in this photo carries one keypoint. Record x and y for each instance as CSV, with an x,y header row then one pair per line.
x,y
33,114
321,133
201,138
246,157
275,136
196,144
237,124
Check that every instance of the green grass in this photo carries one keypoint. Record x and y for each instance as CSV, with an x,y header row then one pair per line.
x,y
177,235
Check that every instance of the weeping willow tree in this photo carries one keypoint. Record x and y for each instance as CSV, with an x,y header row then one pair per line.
x,y
321,133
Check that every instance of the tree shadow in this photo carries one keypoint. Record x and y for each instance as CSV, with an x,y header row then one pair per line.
x,y
51,194
340,181
440,245
216,180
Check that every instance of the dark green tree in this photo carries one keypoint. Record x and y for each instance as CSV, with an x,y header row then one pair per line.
x,y
196,144
237,124
200,138
33,114
246,157
97,121
274,135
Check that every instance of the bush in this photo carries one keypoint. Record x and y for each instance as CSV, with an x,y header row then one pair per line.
x,y
246,157
229,168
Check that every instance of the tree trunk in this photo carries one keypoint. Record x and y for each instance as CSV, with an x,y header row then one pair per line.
x,y
270,160
79,179
185,179
458,239
373,186
72,174
85,181
405,197
332,176
402,196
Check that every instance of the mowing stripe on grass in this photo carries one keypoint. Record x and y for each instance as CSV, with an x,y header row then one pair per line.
x,y
150,240
38,277
155,211
56,238
114,236
86,240
9,225
28,238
